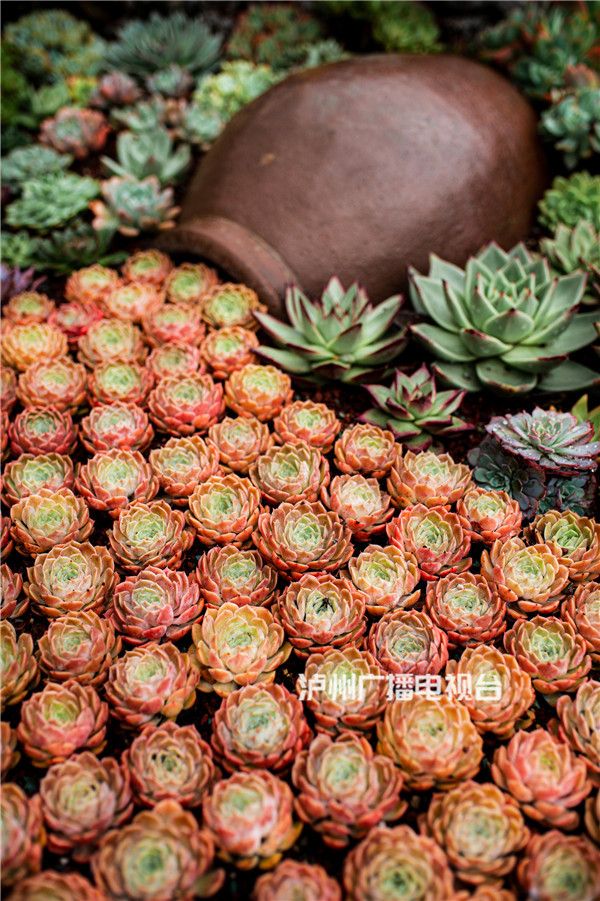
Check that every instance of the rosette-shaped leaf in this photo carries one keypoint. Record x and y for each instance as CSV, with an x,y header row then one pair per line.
x,y
155,605
150,534
240,442
398,857
181,464
169,762
18,666
227,574
235,646
22,834
60,720
184,405
175,324
23,345
117,425
551,651
544,776
319,612
82,798
133,302
48,518
558,866
467,608
406,641
260,391
530,579
582,611
9,756
344,688
387,577
42,430
111,340
592,816
360,503
576,539
75,130
259,727
480,829
75,319
147,267
27,307
579,724
251,818
79,646
8,388
12,602
427,478
290,472
29,473
114,478
70,578
162,854
496,691
365,449
224,510
438,539
491,515
344,788
227,349
133,206
150,682
91,284
53,886
309,881
56,383
432,740
308,422
118,380
227,305
189,282
173,360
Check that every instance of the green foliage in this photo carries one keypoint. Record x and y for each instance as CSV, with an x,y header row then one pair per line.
x,y
273,34
174,81
149,153
402,26
573,124
571,199
574,248
76,246
328,51
51,200
48,99
496,470
31,162
145,115
52,42
18,248
133,206
582,413
15,89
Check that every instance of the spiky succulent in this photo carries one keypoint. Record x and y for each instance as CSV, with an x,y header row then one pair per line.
x,y
30,343
22,833
226,349
47,518
307,422
24,163
497,470
155,605
183,463
149,153
531,579
110,340
18,665
570,200
189,282
27,307
582,611
467,608
387,577
560,866
133,302
119,380
572,123
150,267
229,575
427,478
184,405
173,323
115,89
70,578
76,131
579,724
51,200
42,430
296,876
551,651
173,359
30,472
260,391
52,41
240,442
574,248
131,206
58,383
113,479
117,425
151,534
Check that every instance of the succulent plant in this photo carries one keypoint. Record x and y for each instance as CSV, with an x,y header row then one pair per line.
x,y
52,41
58,383
551,651
492,515
161,854
229,575
22,834
579,722
57,886
341,336
47,518
273,35
91,284
9,756
438,539
79,646
147,114
290,876
572,123
27,307
112,479
111,340
581,610
18,664
185,405
531,579
133,301
173,360
360,503
118,425
132,206
467,608
8,389
251,818
387,577
12,602
236,646
495,469
365,449
309,423
174,323
290,472
575,538
226,349
190,282
115,89
570,200
155,605
427,478
224,509
240,442
24,163
228,305
592,816
151,534
560,865
60,720
574,248
119,380
181,464
149,153
51,200
172,81
408,642
71,578
6,540
33,342
29,472
75,131
259,391
149,267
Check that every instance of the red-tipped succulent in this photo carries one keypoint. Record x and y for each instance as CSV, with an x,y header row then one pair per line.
x,y
22,834
438,539
260,391
189,282
228,305
18,665
224,510
308,422
75,130
290,472
551,651
582,611
365,449
387,577
408,642
174,360
427,478
13,602
151,534
467,607
491,515
360,503
240,442
118,426
33,342
57,886
74,319
173,324
9,756
149,267
293,876
579,724
30,472
133,301
112,479
80,646
58,383
574,538
155,605
531,579
48,518
184,405
27,307
42,430
119,381
227,349
181,464
71,578
111,340
91,284
228,574
556,865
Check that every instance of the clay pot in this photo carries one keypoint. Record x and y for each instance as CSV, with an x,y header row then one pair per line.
x,y
362,168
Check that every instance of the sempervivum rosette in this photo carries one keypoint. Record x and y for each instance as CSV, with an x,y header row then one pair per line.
x,y
75,319
79,646
309,881
110,340
224,510
344,788
427,478
175,324
387,577
260,391
183,405
8,388
530,579
344,688
496,691
91,284
117,425
71,577
60,720
228,349
467,607
189,282
290,472
251,818
365,449
227,305
155,605
56,886
169,762
119,380
406,641
133,301
551,651
150,682
181,464
491,515
23,345
174,359
148,267
82,798
150,534
42,430
360,503
480,829
28,306
309,422
18,666
13,603
48,518
574,538
579,724
544,776
162,854
303,537
582,611
438,539
259,727
320,611
59,383
432,740
30,472
558,866
22,834
235,646
397,857
240,442
9,756
112,479
228,574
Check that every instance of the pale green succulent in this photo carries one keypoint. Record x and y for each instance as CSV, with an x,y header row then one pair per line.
x,y
573,124
575,248
51,200
149,153
134,205
570,200
25,163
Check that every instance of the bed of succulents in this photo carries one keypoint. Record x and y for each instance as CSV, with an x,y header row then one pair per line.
x,y
300,608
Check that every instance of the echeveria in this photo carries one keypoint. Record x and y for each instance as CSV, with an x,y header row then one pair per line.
x,y
467,607
408,642
118,425
290,472
22,834
227,305
28,306
296,876
491,515
174,359
30,472
184,405
360,503
576,539
260,391
112,479
91,284
387,577
111,340
156,604
42,430
228,574
119,380
438,539
582,611
240,442
531,579
189,282
150,534
23,345
183,463
365,449
79,646
151,267
427,478
43,520
71,577
551,651
18,665
173,323
224,509
556,865
227,349
58,383
309,422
